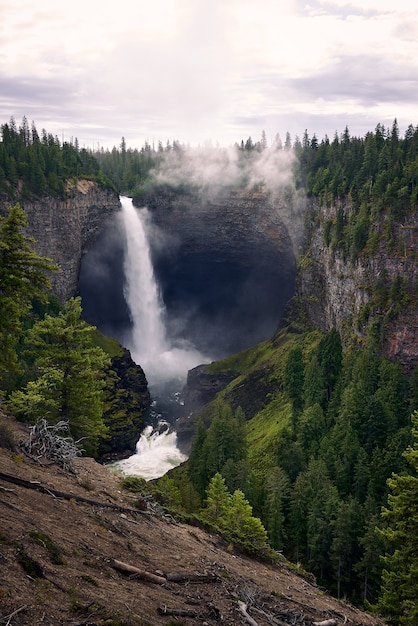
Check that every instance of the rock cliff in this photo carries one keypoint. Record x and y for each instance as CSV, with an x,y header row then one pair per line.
x,y
225,263
354,295
64,228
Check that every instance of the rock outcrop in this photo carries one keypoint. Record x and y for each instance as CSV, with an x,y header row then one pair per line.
x,y
202,387
335,290
64,228
129,401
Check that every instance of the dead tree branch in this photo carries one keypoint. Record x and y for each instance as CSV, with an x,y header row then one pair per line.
x,y
243,609
192,578
54,442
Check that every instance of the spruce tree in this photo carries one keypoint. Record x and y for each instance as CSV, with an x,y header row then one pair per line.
x,y
399,598
70,380
23,275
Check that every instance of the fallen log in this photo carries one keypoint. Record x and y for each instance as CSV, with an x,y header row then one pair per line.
x,y
138,573
192,578
33,484
326,622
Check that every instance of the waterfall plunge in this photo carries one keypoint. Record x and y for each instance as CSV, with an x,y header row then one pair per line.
x,y
161,360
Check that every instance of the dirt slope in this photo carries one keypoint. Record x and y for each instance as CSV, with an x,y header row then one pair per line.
x,y
67,547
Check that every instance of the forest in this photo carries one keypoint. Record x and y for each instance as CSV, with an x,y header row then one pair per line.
x,y
325,472
36,165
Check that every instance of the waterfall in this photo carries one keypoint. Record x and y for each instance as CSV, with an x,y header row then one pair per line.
x,y
161,359
141,291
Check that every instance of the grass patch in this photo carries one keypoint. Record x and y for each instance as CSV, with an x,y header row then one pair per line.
x,y
264,430
31,567
107,344
55,552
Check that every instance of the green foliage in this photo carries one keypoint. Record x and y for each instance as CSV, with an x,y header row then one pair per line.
x,y
23,275
167,493
315,477
129,169
136,484
277,488
232,516
44,540
398,600
70,376
31,165
379,169
294,375
211,450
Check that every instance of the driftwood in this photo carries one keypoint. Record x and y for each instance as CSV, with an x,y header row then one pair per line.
x,y
192,578
243,609
326,622
138,573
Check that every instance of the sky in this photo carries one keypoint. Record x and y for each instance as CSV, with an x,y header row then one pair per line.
x,y
207,71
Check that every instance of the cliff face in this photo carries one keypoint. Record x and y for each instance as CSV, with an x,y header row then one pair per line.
x,y
63,229
225,263
343,293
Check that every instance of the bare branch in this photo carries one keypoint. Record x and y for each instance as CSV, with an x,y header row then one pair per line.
x,y
54,442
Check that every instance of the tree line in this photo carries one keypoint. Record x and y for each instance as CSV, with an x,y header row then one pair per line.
x,y
376,175
34,164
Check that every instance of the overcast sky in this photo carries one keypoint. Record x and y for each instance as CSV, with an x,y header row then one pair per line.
x,y
207,70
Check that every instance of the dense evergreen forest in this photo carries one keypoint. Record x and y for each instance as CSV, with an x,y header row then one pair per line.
x,y
33,165
325,468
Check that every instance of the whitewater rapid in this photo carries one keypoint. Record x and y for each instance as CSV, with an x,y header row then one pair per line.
x,y
156,454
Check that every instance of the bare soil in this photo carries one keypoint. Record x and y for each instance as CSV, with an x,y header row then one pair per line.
x,y
57,552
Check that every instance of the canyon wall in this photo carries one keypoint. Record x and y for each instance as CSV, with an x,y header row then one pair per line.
x,y
64,229
354,294
225,263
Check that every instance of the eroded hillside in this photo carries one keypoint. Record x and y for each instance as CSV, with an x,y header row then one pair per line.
x,y
61,534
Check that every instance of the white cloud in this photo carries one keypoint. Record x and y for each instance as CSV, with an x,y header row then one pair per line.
x,y
220,69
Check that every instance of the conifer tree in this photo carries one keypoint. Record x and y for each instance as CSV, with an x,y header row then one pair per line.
x,y
294,376
23,275
70,379
399,599
218,501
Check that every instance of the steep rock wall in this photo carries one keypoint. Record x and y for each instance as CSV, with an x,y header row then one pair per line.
x,y
64,228
225,262
335,290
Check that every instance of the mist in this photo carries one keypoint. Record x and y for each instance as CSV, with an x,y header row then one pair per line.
x,y
221,254
213,170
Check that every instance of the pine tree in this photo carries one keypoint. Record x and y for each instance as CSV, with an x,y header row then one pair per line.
x,y
294,375
399,599
218,501
70,379
277,490
23,275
